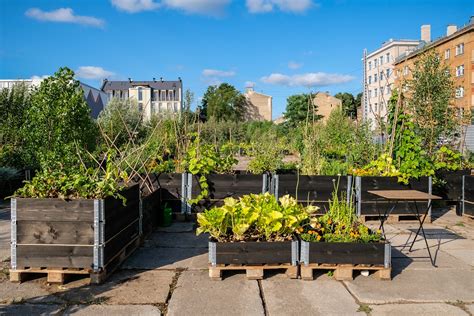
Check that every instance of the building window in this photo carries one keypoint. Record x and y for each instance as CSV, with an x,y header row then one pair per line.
x,y
375,78
370,93
176,107
387,57
140,107
370,79
389,90
460,49
405,70
375,63
152,108
447,53
375,107
140,94
163,95
381,75
381,60
459,92
375,92
171,94
460,71
370,65
154,95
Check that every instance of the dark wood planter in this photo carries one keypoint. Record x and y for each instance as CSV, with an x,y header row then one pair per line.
x,y
451,184
314,190
253,253
344,258
152,212
93,235
370,205
468,196
222,186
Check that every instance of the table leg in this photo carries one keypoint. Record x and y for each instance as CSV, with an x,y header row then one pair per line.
x,y
384,218
422,221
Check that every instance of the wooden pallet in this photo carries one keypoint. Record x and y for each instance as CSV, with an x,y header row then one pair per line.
x,y
254,272
392,218
58,275
344,271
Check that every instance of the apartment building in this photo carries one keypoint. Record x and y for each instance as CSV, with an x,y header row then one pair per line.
x,y
95,98
326,103
259,105
378,79
152,97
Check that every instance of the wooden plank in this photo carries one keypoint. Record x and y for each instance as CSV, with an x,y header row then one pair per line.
x,y
43,232
389,183
114,245
53,210
120,217
346,253
404,195
312,188
253,272
253,253
54,255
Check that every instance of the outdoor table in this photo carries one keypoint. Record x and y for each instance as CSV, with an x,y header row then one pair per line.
x,y
407,195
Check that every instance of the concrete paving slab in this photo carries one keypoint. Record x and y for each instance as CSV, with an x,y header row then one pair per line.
x,y
323,296
177,227
417,309
4,234
30,291
168,258
30,309
431,286
177,240
470,308
115,310
419,260
197,295
149,287
466,256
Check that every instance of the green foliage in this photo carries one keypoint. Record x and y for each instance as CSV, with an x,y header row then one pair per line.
x,y
447,159
266,154
339,224
223,103
76,184
14,104
349,106
430,94
300,108
58,122
254,217
121,122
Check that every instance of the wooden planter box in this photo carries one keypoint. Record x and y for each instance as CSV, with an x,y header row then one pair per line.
x,y
314,190
151,210
468,196
452,189
222,186
344,258
254,257
75,236
369,206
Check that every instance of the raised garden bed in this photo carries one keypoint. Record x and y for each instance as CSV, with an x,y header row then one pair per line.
x,y
368,205
344,257
468,196
450,184
254,257
315,190
92,236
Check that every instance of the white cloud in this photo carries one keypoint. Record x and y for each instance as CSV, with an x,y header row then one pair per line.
x,y
92,72
205,7
214,76
263,6
250,84
133,6
39,77
307,79
294,65
64,15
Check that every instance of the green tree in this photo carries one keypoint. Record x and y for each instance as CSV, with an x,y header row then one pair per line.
x,y
121,122
14,104
299,108
188,100
349,106
58,122
429,95
223,103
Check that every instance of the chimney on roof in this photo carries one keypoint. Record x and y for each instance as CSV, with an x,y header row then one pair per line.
x,y
161,79
154,79
426,33
129,79
451,29
179,78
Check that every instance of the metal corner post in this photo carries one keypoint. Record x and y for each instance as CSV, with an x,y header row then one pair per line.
x,y
265,184
13,233
358,189
463,196
140,214
274,185
430,191
349,190
212,253
99,222
388,255
189,193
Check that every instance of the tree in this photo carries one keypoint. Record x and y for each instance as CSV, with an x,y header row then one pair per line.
x,y
188,100
223,103
121,121
14,103
430,94
58,122
349,106
299,108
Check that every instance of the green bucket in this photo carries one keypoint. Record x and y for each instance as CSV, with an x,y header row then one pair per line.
x,y
167,216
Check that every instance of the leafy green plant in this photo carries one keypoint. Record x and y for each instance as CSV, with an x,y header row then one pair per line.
x,y
254,217
447,159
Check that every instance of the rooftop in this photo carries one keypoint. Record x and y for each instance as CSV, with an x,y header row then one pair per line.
x,y
154,84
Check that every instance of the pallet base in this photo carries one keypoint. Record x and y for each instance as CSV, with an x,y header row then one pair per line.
x,y
253,272
344,272
392,218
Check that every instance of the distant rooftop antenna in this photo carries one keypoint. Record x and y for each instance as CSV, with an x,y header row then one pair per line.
x,y
161,79
129,79
154,79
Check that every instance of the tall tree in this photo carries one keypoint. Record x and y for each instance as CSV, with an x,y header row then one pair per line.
x,y
59,122
349,106
223,103
430,94
188,100
299,108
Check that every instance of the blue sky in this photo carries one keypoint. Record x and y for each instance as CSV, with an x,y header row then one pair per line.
x,y
282,46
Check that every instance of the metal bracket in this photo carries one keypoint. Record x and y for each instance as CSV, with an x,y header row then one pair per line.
x,y
212,253
265,183
430,191
358,189
463,196
274,185
294,252
387,260
189,192
349,189
13,234
186,192
304,254
99,235
140,214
